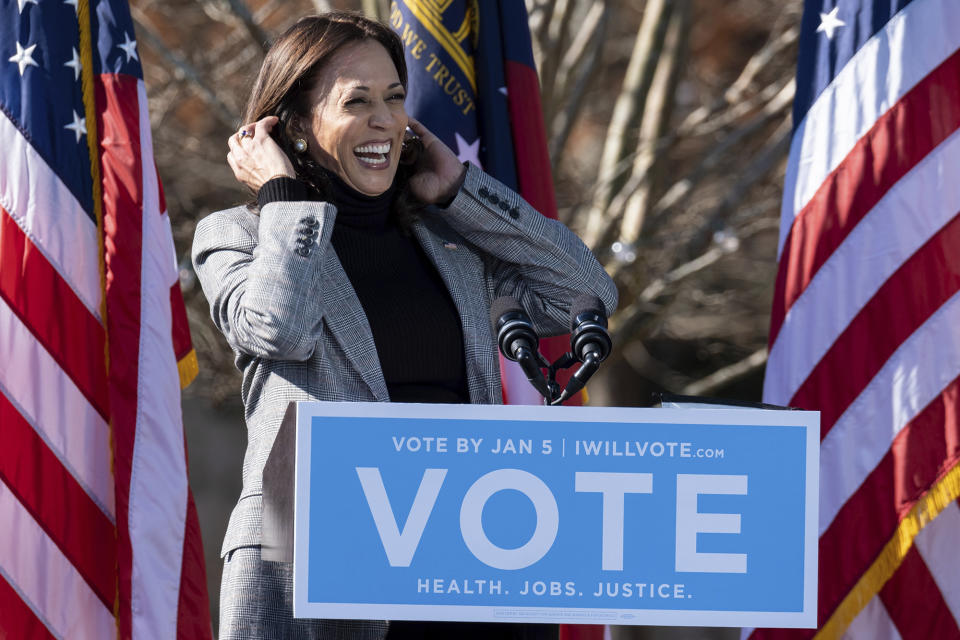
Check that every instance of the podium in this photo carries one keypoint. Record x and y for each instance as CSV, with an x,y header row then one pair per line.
x,y
575,515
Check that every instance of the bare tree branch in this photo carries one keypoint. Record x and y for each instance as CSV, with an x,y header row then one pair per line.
x,y
727,375
645,306
628,112
656,288
635,354
660,101
247,58
756,170
183,69
621,324
238,12
257,33
541,30
773,92
735,93
558,42
562,123
679,191
577,51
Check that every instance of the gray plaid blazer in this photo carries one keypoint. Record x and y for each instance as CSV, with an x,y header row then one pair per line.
x,y
281,297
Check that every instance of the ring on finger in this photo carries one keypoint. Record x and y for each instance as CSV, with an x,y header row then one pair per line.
x,y
244,133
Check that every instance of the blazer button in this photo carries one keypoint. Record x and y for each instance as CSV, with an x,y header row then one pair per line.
x,y
309,221
303,241
514,213
503,205
483,192
493,199
303,251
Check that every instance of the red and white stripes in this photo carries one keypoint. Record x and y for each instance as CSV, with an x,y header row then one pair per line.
x,y
922,598
872,82
56,489
864,326
55,591
93,477
68,240
158,484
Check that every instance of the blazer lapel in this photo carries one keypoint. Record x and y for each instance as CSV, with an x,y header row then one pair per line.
x,y
348,324
462,271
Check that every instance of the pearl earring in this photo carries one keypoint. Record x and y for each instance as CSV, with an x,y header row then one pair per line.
x,y
300,145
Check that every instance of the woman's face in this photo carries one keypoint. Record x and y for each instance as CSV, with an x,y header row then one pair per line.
x,y
357,121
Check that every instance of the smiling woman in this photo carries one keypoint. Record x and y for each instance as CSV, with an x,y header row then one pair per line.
x,y
358,119
364,271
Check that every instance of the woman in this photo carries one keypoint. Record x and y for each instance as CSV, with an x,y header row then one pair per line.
x,y
352,259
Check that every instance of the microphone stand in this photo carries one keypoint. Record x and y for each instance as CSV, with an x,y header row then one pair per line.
x,y
517,341
565,361
554,394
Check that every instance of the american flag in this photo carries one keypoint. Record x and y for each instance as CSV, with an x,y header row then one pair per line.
x,y
866,315
99,536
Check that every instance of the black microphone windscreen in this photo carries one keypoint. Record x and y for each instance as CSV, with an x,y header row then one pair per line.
x,y
586,303
502,305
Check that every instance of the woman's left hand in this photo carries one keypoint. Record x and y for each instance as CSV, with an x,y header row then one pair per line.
x,y
439,174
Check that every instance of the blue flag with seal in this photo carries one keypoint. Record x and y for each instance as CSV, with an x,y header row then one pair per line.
x,y
473,82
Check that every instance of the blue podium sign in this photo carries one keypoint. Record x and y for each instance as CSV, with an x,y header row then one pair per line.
x,y
702,517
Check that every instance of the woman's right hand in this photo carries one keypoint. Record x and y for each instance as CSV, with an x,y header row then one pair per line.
x,y
255,157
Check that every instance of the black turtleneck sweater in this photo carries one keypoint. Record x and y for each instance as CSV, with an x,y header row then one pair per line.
x,y
415,325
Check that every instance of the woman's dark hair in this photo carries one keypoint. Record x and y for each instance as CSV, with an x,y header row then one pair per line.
x,y
289,73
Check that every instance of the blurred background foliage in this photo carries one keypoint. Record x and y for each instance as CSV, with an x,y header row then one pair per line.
x,y
668,126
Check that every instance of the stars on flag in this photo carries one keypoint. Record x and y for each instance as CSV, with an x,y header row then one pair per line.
x,y
468,151
32,56
78,126
829,23
129,47
24,58
74,64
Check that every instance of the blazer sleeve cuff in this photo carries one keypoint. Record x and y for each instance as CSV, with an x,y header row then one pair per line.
x,y
493,197
281,189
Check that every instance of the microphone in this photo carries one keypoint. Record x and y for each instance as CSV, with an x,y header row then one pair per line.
x,y
588,328
589,342
517,340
